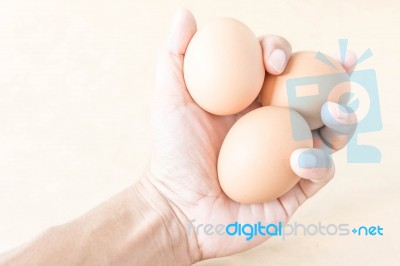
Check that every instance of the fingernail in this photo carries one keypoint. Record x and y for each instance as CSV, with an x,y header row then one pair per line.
x,y
307,159
277,60
340,110
339,118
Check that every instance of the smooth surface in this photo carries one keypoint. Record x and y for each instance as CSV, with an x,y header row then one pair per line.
x,y
223,66
75,84
313,81
254,161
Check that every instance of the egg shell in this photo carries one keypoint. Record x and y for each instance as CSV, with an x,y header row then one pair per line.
x,y
254,160
322,82
223,67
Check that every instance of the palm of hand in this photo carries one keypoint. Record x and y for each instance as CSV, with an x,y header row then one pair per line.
x,y
186,141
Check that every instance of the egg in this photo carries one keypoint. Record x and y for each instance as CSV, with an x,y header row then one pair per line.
x,y
254,160
223,67
306,84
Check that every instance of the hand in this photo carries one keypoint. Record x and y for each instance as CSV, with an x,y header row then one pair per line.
x,y
186,141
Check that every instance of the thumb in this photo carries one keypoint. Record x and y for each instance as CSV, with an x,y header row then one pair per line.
x,y
182,30
170,84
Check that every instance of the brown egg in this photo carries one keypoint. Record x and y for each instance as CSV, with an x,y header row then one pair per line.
x,y
223,67
254,160
305,85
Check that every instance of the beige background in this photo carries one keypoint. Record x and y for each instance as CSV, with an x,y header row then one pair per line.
x,y
75,81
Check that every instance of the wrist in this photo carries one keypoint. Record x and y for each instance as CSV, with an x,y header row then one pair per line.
x,y
167,226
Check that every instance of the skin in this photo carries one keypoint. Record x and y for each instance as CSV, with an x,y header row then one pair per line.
x,y
187,140
153,221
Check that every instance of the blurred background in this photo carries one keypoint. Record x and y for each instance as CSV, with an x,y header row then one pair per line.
x,y
76,79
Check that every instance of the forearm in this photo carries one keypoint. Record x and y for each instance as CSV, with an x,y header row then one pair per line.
x,y
135,227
